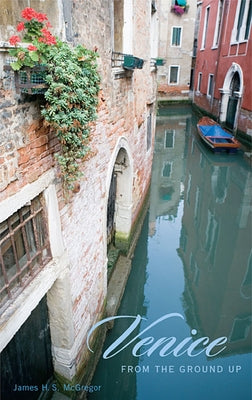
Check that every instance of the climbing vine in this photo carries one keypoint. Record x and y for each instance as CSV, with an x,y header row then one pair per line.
x,y
71,98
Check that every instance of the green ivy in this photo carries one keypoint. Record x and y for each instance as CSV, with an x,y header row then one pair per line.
x,y
71,98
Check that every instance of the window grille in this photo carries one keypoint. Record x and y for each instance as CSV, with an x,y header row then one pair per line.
x,y
24,249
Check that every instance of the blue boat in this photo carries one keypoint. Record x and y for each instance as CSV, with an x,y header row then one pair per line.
x,y
216,138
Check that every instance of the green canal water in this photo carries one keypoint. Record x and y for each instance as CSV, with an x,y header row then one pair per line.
x,y
190,280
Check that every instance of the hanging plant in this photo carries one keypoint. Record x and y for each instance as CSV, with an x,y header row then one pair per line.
x,y
73,85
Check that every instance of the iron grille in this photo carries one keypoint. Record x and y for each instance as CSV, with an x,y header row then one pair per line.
x,y
24,249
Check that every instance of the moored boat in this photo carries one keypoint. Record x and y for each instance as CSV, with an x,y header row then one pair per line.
x,y
216,138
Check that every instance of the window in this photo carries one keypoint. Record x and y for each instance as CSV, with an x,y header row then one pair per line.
x,y
176,36
199,81
210,85
167,169
123,26
154,31
169,138
242,21
188,192
118,25
248,21
218,23
197,213
211,238
24,248
203,45
174,74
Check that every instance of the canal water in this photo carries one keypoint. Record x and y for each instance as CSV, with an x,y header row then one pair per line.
x,y
190,281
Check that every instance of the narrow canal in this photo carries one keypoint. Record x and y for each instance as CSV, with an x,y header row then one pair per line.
x,y
191,267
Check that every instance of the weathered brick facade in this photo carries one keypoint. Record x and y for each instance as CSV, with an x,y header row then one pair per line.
x,y
222,73
75,281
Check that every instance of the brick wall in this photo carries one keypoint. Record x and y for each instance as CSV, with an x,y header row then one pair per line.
x,y
26,145
27,151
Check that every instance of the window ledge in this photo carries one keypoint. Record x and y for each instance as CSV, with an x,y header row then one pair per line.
x,y
121,73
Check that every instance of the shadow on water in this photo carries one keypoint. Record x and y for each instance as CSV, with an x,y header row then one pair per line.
x,y
193,258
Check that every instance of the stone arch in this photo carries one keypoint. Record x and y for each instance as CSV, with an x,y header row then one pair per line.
x,y
231,96
121,169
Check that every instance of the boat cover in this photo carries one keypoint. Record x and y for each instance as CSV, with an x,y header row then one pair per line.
x,y
214,131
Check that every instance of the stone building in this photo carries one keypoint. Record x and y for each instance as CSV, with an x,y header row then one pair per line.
x,y
54,252
222,85
176,33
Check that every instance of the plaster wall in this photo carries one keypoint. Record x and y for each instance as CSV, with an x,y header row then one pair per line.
x,y
175,55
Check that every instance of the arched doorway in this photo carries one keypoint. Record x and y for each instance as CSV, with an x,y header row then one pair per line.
x,y
233,100
231,96
119,204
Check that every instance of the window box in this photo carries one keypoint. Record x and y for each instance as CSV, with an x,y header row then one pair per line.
x,y
131,62
160,62
139,63
30,80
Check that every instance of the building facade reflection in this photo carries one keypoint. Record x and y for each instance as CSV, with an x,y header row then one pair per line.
x,y
215,246
168,166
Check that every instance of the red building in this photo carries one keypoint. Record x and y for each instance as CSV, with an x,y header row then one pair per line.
x,y
222,85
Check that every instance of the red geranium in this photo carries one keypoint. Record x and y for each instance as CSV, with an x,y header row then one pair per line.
x,y
37,35
41,17
14,40
47,37
20,26
28,13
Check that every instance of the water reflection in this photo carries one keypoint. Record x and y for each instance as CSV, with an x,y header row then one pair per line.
x,y
215,246
193,258
168,167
